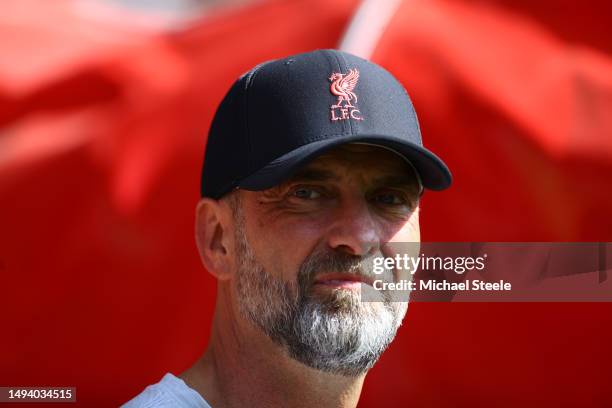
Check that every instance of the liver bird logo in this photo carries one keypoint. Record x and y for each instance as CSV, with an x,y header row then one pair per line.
x,y
342,86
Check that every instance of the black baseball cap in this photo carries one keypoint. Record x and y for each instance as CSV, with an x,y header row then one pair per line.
x,y
285,112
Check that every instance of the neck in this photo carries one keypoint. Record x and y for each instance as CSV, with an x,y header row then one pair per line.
x,y
243,367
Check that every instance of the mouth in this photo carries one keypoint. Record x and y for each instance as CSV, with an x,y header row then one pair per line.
x,y
343,280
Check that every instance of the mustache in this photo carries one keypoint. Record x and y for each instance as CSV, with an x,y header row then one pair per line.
x,y
337,262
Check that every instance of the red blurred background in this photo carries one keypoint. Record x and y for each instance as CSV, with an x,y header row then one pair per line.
x,y
104,110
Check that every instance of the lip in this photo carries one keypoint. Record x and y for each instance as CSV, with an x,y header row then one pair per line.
x,y
348,280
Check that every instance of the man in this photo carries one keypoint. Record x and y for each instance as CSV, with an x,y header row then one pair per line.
x,y
314,163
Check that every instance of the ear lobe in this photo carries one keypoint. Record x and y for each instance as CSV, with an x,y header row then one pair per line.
x,y
212,238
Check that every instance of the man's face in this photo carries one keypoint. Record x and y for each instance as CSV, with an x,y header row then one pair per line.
x,y
305,249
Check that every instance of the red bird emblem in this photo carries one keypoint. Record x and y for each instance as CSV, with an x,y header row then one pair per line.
x,y
342,86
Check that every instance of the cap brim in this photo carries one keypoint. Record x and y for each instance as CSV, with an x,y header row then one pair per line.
x,y
434,174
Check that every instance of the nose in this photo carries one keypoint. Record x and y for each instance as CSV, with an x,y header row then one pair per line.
x,y
354,229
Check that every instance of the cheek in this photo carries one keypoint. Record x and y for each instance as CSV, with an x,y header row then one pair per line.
x,y
282,245
410,231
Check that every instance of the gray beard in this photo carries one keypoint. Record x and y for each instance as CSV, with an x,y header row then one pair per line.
x,y
335,332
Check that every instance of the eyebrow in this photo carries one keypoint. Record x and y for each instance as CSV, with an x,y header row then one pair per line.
x,y
395,180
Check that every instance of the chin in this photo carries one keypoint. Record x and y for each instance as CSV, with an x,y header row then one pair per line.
x,y
345,301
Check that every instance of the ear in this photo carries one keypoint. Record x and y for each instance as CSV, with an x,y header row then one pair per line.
x,y
213,237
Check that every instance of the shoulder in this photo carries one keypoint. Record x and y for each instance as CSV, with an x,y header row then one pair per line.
x,y
170,391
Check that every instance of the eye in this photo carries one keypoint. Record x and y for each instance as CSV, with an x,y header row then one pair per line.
x,y
389,199
305,193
